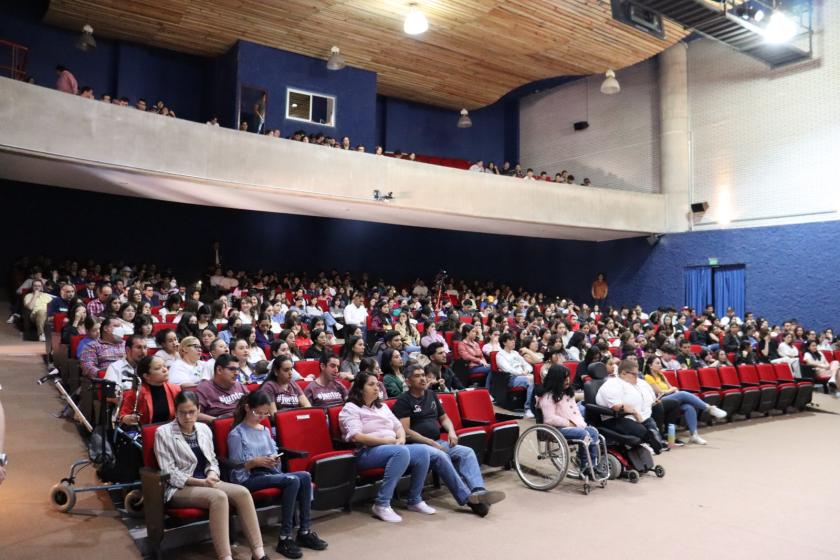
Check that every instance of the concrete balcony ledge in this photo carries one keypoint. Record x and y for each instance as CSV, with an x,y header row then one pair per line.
x,y
53,138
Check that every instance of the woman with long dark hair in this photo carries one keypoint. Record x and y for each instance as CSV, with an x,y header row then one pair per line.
x,y
556,401
156,395
368,423
250,445
392,365
352,354
281,388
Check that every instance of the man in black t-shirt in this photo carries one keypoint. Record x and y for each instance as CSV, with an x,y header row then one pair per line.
x,y
422,416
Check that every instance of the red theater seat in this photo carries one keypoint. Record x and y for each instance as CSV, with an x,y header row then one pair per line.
x,y
477,411
750,396
730,399
474,438
748,374
804,388
333,471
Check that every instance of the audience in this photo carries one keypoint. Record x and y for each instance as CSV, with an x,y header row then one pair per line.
x,y
102,352
123,372
156,395
371,425
219,396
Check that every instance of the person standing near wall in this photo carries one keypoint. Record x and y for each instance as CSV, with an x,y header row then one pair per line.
x,y
66,81
259,113
599,290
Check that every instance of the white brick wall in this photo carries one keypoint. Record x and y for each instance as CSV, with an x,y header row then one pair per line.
x,y
766,143
620,149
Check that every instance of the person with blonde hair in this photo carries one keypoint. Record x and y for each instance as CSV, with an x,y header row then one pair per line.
x,y
188,370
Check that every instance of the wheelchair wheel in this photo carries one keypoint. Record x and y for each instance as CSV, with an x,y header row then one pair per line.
x,y
659,470
615,466
62,497
541,457
633,476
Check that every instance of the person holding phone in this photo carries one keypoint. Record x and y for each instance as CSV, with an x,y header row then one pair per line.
x,y
253,450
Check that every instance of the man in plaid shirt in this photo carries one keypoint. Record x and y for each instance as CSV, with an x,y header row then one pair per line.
x,y
96,307
101,353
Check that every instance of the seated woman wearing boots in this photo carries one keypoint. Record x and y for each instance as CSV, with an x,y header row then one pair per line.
x,y
690,404
556,400
252,447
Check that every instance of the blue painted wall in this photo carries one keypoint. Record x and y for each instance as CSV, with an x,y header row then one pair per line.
x,y
274,70
432,131
117,67
791,271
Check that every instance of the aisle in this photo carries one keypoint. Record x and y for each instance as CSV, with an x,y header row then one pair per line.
x,y
41,449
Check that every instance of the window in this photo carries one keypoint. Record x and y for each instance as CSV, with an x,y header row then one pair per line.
x,y
310,107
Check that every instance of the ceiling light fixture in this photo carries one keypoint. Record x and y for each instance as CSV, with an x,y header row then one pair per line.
x,y
415,22
86,41
464,120
780,28
610,85
335,61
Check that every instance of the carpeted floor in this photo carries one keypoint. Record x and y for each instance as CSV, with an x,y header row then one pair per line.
x,y
760,489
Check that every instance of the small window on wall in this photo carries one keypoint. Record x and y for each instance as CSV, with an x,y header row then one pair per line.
x,y
310,107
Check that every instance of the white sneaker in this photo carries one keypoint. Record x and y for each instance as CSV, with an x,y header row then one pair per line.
x,y
422,507
528,414
41,338
339,326
385,513
695,438
11,319
717,412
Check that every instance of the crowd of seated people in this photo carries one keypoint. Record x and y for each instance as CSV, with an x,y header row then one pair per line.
x,y
213,362
255,123
528,174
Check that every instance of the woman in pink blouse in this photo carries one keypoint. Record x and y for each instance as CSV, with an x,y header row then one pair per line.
x,y
559,409
381,439
470,350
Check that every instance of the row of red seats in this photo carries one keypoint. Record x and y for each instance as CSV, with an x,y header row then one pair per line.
x,y
311,441
746,389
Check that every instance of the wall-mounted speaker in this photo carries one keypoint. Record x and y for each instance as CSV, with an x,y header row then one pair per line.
x,y
581,125
698,207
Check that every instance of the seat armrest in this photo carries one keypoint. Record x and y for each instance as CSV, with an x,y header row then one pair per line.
x,y
471,423
153,483
293,453
597,409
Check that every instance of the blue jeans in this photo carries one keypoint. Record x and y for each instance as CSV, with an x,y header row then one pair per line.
x,y
329,321
297,489
522,381
486,371
410,348
462,479
690,404
397,459
581,433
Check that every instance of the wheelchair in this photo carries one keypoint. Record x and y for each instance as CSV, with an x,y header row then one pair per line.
x,y
543,458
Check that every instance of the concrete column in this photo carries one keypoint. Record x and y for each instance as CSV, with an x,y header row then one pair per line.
x,y
675,164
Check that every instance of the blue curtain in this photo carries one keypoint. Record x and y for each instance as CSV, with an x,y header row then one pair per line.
x,y
729,290
698,287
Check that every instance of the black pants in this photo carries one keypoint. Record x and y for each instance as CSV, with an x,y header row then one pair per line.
x,y
645,431
664,413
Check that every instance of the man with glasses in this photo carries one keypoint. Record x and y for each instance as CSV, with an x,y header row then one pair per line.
x,y
149,295
632,399
219,396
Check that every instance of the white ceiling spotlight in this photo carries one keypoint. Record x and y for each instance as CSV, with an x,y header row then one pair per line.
x,y
86,41
335,61
464,120
415,22
610,86
780,29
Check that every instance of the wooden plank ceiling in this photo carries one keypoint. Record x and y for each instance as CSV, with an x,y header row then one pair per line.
x,y
473,53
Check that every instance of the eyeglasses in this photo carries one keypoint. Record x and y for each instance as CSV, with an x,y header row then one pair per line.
x,y
193,345
231,368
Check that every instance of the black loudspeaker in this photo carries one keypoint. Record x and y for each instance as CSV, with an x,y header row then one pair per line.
x,y
581,125
698,207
